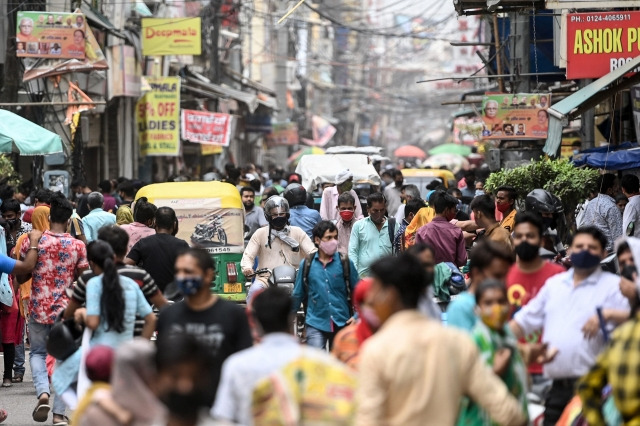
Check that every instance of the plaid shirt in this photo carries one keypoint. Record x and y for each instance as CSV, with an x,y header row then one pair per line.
x,y
619,366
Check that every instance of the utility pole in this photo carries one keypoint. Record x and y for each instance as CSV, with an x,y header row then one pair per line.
x,y
216,78
281,59
520,47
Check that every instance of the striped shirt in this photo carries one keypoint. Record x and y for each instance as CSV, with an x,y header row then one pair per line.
x,y
139,275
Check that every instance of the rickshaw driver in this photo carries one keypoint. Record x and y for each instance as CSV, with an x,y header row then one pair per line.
x,y
276,244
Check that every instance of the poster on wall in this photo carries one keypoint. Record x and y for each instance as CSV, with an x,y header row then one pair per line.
x,y
171,36
600,42
283,134
158,118
50,35
517,116
206,127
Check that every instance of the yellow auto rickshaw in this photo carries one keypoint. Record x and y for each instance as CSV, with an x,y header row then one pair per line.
x,y
211,216
423,177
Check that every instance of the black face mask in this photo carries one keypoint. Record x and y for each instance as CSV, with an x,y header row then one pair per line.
x,y
549,222
13,223
184,405
526,251
279,222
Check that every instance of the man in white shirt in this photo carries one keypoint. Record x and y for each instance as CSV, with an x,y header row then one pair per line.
x,y
631,218
392,192
329,203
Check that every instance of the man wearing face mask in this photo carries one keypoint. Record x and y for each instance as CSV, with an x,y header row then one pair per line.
x,y
10,210
566,309
550,210
344,183
372,237
322,285
220,326
603,213
392,192
446,239
483,208
506,204
346,210
407,372
527,276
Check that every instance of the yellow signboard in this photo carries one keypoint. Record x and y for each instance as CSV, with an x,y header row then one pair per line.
x,y
208,149
158,117
172,36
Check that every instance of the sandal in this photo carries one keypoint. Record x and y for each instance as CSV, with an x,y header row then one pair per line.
x,y
63,422
41,412
18,378
3,415
7,383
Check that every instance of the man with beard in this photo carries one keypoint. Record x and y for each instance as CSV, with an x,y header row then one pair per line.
x,y
253,215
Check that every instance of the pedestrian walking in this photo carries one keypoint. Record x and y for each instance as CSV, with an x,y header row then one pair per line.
x,y
506,197
253,215
483,208
603,213
346,219
97,217
393,192
343,183
143,225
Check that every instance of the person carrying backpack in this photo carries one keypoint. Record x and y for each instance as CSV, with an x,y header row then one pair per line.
x,y
324,284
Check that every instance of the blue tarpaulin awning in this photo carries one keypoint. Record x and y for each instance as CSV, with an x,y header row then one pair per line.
x,y
621,157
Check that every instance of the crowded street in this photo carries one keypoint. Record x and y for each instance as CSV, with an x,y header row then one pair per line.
x,y
355,212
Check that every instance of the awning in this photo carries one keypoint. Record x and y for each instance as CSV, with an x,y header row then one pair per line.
x,y
584,99
614,160
217,91
26,137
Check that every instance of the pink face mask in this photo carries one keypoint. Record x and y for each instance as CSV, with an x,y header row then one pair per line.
x,y
329,247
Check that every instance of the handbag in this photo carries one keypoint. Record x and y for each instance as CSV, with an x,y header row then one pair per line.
x,y
64,338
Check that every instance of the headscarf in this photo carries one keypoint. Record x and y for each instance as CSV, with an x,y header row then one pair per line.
x,y
363,331
343,176
40,218
124,216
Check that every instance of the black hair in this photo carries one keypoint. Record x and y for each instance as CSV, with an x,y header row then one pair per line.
x,y
144,211
622,248
127,187
178,348
166,218
510,190
10,205
61,209
606,182
470,178
395,173
434,184
621,197
594,232
272,310
105,186
116,237
531,218
483,253
247,189
321,228
376,197
485,205
454,191
112,303
255,184
416,249
202,257
44,195
78,183
630,184
443,201
405,274
269,192
346,198
489,284
413,206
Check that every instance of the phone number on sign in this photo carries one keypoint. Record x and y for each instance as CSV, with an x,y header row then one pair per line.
x,y
608,18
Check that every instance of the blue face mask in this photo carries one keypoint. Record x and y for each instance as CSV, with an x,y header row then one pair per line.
x,y
479,192
585,260
189,286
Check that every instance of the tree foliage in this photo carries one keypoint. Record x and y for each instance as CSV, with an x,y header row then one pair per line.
x,y
8,175
560,177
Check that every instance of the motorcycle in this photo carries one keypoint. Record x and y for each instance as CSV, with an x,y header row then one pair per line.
x,y
205,232
283,276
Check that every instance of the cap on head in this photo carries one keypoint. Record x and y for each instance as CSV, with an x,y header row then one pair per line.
x,y
343,176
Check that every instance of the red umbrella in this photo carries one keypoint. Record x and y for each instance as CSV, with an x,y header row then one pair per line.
x,y
410,151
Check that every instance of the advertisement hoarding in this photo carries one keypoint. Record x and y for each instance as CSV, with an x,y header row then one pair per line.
x,y
173,36
158,117
50,35
283,134
600,42
518,116
206,127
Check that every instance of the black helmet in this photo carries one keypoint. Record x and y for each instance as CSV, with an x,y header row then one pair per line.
x,y
541,201
295,194
64,339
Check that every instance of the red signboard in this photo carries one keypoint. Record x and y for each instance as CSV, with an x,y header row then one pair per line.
x,y
206,127
600,42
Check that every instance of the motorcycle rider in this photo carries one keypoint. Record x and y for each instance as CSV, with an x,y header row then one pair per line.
x,y
275,245
301,215
549,209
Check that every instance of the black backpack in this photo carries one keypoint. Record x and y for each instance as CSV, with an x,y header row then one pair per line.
x,y
346,273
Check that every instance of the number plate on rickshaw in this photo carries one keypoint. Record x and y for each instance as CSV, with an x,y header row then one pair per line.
x,y
233,288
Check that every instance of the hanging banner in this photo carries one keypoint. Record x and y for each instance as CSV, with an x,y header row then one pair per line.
x,y
50,35
322,132
600,42
519,116
158,117
173,36
283,134
206,127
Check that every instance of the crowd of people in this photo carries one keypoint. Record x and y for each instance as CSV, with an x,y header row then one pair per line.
x,y
450,309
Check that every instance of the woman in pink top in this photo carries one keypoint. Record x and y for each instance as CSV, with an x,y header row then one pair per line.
x,y
144,215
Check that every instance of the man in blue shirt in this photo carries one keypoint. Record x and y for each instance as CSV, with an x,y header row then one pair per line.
x,y
326,292
301,216
97,218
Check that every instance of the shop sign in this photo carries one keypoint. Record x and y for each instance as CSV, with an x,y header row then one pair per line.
x,y
175,36
600,42
517,116
283,134
207,128
158,117
50,35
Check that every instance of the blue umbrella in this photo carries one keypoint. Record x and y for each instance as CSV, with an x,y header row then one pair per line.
x,y
26,137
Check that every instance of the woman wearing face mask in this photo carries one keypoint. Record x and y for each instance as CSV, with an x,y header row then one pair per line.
x,y
112,304
498,347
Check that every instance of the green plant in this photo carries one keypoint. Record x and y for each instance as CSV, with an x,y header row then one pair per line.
x,y
560,177
8,174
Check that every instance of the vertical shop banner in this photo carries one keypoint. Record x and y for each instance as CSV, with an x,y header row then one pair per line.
x,y
125,72
519,116
206,127
600,42
50,35
174,36
158,117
